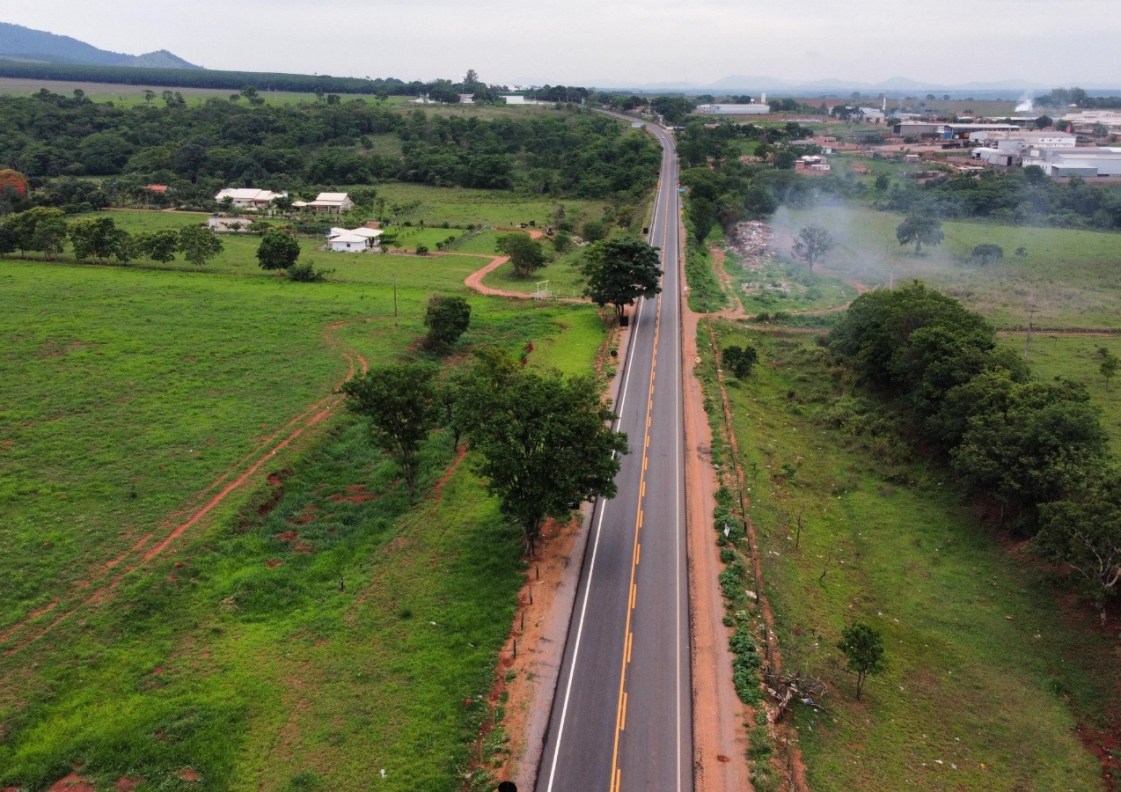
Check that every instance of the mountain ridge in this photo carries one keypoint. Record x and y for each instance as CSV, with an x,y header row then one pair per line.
x,y
39,46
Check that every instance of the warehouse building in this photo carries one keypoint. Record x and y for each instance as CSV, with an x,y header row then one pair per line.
x,y
734,109
1086,162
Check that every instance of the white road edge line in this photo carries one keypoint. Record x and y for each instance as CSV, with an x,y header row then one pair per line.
x,y
595,547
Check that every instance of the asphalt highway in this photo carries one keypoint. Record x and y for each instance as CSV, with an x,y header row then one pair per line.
x,y
621,717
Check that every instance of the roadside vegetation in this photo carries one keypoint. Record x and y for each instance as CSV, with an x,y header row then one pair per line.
x,y
984,656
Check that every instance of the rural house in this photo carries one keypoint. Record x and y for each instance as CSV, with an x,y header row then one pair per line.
x,y
248,197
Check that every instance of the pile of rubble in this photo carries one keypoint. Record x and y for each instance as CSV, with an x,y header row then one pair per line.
x,y
751,242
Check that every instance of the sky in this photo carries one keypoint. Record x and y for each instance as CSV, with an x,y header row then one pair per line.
x,y
612,42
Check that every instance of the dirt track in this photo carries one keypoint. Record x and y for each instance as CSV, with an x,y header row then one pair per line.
x,y
108,577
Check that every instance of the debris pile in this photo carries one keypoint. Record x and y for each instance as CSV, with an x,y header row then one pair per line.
x,y
751,242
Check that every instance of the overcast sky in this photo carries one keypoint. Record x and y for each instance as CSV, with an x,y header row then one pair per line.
x,y
598,42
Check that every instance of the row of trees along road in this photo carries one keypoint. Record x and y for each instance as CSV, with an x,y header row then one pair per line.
x,y
541,441
1034,452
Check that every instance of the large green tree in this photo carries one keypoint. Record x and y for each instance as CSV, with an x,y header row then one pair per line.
x,y
618,271
447,318
921,230
1083,532
99,238
157,245
526,255
543,440
400,402
39,229
278,250
199,244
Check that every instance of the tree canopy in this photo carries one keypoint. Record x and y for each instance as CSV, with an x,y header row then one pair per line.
x,y
618,271
526,255
920,230
199,244
863,647
278,250
447,318
400,402
543,440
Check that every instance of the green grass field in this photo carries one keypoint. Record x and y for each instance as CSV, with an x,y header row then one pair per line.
x,y
234,654
988,671
461,207
1070,276
1076,358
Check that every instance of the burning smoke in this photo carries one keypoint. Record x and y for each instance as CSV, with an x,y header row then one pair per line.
x,y
1025,105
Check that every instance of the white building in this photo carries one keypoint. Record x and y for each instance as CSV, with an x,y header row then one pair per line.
x,y
1003,139
1085,162
353,240
327,202
734,109
1109,118
248,197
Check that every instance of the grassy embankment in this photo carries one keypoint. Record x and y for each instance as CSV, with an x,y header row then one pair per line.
x,y
990,667
234,654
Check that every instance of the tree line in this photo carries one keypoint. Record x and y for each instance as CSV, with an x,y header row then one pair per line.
x,y
1033,453
44,230
197,149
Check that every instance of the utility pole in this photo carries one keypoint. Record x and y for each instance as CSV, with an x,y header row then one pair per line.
x,y
1031,313
395,301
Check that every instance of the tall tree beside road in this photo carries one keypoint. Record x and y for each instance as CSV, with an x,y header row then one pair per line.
x,y
618,271
544,440
400,402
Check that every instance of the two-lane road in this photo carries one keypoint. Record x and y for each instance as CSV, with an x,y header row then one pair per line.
x,y
621,718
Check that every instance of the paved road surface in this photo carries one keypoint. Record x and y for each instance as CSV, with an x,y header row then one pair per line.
x,y
621,718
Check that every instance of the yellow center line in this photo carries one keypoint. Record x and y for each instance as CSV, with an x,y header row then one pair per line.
x,y
621,709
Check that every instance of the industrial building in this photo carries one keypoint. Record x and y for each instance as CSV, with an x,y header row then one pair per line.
x,y
1086,162
734,109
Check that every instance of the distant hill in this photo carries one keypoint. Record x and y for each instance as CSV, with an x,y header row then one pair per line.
x,y
37,46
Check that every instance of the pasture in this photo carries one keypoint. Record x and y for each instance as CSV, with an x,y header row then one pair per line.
x,y
1064,278
299,634
990,669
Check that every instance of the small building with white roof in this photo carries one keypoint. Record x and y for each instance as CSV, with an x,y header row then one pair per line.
x,y
248,197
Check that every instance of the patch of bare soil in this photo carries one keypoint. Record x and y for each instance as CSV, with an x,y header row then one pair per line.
x,y
72,783
128,784
355,493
